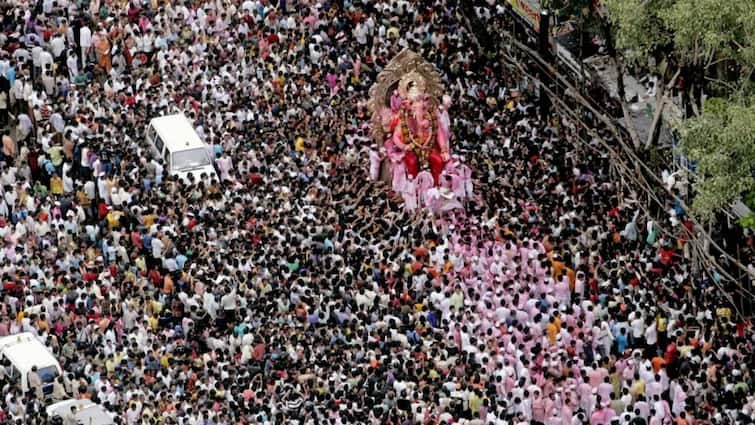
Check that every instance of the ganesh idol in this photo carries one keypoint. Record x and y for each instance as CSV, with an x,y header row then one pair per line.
x,y
411,129
419,128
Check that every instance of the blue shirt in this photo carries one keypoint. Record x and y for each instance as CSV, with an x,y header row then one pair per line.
x,y
180,261
10,74
49,167
621,340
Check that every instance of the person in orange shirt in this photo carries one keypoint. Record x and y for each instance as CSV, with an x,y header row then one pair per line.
x,y
658,362
42,323
552,329
557,265
572,278
681,419
168,284
102,48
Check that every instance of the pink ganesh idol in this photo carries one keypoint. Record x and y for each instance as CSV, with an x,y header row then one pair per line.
x,y
419,128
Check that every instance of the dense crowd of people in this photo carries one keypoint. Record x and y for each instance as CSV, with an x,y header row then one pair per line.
x,y
294,289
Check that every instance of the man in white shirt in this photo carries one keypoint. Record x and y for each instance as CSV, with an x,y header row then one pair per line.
x,y
36,54
57,46
228,304
72,63
85,43
157,248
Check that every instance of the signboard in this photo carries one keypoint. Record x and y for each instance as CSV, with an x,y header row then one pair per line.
x,y
529,10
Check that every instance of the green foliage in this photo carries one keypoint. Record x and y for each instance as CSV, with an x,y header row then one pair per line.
x,y
749,200
703,39
722,143
748,221
638,27
578,12
567,8
704,30
691,32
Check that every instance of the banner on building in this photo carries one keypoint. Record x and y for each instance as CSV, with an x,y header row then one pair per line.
x,y
529,10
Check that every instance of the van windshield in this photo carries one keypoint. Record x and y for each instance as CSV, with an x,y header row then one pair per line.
x,y
47,374
193,158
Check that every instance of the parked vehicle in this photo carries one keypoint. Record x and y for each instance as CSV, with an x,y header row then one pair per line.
x,y
173,138
85,411
24,352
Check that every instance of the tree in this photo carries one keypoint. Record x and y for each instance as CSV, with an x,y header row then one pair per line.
x,y
721,141
749,221
702,39
637,28
710,46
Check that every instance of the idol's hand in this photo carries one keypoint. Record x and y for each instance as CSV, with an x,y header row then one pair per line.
x,y
445,156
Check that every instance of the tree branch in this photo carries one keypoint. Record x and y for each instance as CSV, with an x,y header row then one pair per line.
x,y
693,101
671,82
659,105
719,81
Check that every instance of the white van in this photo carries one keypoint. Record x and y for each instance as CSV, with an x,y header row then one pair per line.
x,y
85,411
173,139
24,351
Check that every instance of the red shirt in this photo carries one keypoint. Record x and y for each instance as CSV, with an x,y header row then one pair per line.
x,y
667,256
102,210
136,239
11,286
155,276
255,178
259,352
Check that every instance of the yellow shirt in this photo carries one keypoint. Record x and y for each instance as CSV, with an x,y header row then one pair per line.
x,y
141,264
157,307
475,403
299,144
83,199
551,330
638,388
448,266
149,220
164,361
56,186
661,324
113,219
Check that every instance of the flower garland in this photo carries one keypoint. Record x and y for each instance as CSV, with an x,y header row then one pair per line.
x,y
420,148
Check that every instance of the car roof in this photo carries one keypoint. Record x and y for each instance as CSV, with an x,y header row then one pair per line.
x,y
176,132
25,350
65,405
87,412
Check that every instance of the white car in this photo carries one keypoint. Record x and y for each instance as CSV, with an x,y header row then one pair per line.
x,y
173,138
85,411
25,352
